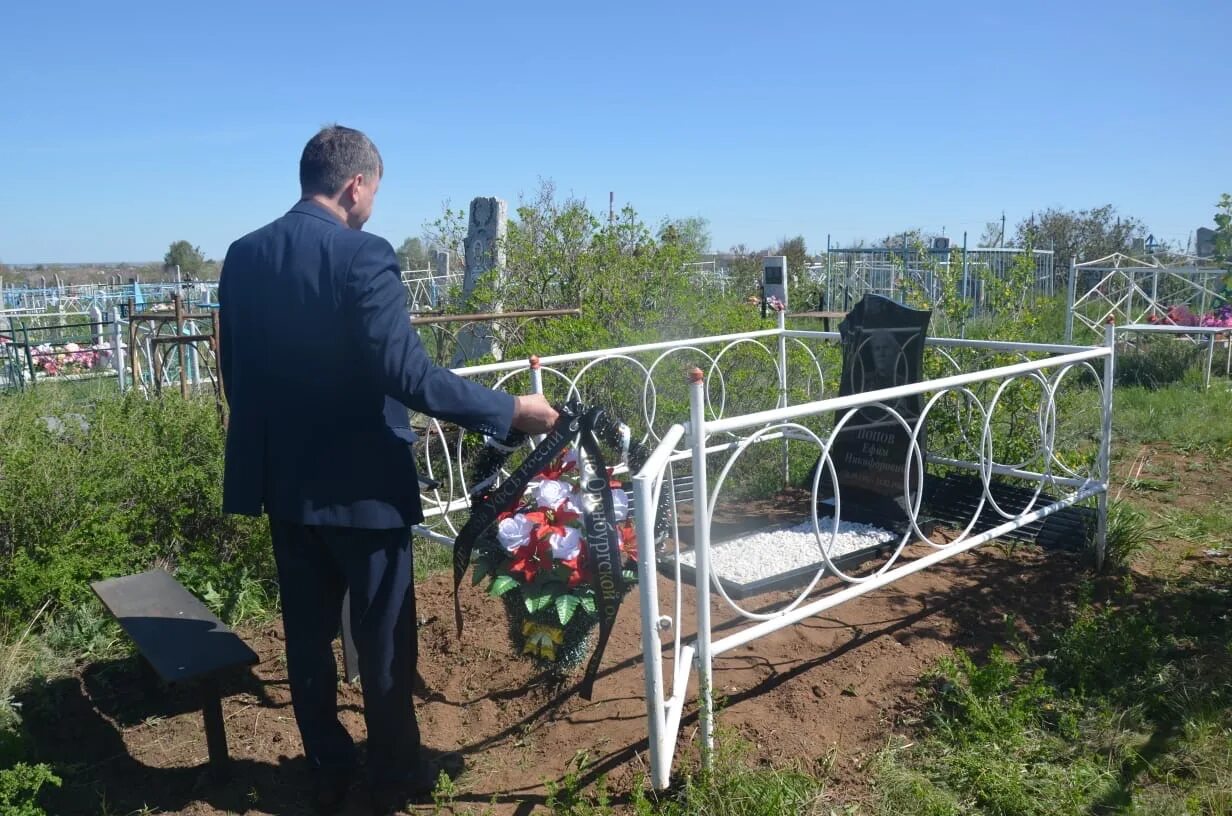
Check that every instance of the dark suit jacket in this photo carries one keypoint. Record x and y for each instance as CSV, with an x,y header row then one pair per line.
x,y
319,365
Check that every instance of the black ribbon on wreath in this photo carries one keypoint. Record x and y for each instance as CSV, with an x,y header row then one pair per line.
x,y
587,427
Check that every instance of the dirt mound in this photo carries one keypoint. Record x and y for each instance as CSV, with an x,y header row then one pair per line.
x,y
830,690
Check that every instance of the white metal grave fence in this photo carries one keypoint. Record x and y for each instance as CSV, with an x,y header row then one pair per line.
x,y
641,384
705,436
846,275
427,291
771,387
1129,291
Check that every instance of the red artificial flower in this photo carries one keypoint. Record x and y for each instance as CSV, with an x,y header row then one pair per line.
x,y
579,572
531,558
537,516
557,468
561,516
628,540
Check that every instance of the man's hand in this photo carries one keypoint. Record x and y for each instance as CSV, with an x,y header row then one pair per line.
x,y
533,414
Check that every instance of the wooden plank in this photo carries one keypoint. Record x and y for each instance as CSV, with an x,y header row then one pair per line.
x,y
819,315
176,633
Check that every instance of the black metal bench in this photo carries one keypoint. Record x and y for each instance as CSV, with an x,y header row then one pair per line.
x,y
179,640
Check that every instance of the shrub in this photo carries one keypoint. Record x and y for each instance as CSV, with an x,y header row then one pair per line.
x,y
116,486
1156,362
20,786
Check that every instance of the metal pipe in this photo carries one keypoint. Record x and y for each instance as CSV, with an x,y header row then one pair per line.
x,y
776,415
958,342
782,402
652,655
517,365
1006,470
489,317
117,347
701,551
1073,293
1105,446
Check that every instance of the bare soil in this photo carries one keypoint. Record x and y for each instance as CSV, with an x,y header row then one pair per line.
x,y
826,694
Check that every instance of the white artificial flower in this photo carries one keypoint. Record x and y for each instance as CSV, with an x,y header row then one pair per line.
x,y
514,532
567,546
550,493
620,504
573,502
570,457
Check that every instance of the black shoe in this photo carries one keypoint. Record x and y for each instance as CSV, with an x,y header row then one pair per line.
x,y
329,791
416,786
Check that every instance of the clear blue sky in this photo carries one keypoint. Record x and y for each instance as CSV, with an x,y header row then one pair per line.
x,y
128,125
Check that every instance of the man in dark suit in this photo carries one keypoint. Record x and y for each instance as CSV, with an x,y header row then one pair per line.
x,y
319,366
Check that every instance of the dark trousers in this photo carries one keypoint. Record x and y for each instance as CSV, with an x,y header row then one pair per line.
x,y
316,566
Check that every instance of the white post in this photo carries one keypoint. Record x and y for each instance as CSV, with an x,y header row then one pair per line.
x,y
782,321
1069,311
117,347
536,385
1154,292
1105,447
536,375
1210,359
701,553
652,654
194,370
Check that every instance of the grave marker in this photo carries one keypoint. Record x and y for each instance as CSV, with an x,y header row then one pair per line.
x,y
883,346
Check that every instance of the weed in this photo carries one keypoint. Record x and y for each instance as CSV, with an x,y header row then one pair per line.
x,y
20,786
1128,534
569,797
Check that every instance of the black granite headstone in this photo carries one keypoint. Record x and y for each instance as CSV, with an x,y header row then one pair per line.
x,y
883,346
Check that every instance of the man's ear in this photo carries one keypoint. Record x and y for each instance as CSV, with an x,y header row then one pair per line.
x,y
350,192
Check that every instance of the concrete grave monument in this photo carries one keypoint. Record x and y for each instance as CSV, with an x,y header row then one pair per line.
x,y
484,245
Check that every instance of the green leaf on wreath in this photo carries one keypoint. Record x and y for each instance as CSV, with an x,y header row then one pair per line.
x,y
630,576
588,603
481,572
534,603
566,605
501,585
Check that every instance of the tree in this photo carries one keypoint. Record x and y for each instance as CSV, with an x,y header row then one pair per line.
x,y
693,233
797,259
187,257
1083,235
906,238
992,235
413,255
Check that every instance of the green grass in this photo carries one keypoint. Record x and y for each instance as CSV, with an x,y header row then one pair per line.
x,y
1185,417
1122,707
1123,710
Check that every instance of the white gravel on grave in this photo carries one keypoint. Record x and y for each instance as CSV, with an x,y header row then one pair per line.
x,y
761,555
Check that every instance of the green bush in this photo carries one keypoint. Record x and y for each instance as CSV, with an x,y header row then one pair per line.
x,y
20,786
1156,362
118,485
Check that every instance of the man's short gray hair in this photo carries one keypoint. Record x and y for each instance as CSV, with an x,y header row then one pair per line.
x,y
333,157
